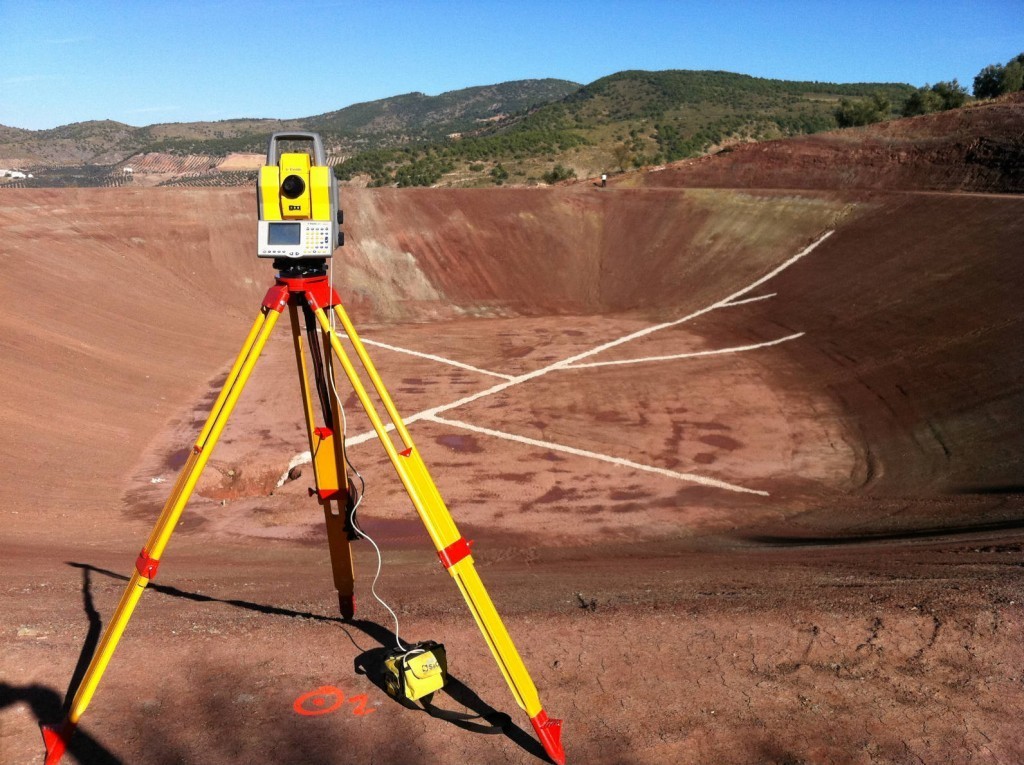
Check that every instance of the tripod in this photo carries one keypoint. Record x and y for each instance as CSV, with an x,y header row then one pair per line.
x,y
302,285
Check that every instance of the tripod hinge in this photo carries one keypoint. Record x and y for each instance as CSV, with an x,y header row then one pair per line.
x,y
145,565
276,298
316,291
454,552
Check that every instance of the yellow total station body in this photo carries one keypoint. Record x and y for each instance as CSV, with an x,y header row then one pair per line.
x,y
294,189
297,196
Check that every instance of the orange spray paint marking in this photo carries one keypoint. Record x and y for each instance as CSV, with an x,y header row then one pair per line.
x,y
360,709
315,703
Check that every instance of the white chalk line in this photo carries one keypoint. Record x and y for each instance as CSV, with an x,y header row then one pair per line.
x,y
689,477
433,412
750,300
299,459
565,363
676,322
441,359
717,351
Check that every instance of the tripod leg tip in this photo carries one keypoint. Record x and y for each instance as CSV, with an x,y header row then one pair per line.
x,y
55,739
549,732
347,605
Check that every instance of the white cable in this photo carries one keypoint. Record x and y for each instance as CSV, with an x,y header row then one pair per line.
x,y
373,585
362,486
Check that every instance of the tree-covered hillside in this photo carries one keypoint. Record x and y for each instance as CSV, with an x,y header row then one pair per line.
x,y
395,121
628,119
527,131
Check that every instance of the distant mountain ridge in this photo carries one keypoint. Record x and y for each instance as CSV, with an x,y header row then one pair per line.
x,y
445,113
412,116
521,132
627,120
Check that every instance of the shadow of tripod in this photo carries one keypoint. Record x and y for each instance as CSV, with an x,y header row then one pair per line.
x,y
483,718
46,703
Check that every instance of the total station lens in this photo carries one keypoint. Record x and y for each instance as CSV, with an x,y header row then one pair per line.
x,y
293,186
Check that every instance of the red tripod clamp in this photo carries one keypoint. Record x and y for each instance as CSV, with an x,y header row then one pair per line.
x,y
315,290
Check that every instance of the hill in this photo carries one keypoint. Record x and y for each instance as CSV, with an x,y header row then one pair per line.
x,y
526,132
978,148
389,121
627,120
419,116
686,111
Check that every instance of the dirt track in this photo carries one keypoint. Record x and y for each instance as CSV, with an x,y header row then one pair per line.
x,y
806,549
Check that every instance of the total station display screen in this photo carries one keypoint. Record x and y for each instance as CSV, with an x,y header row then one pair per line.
x,y
284,233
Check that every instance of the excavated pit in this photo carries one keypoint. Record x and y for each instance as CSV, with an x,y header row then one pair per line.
x,y
743,467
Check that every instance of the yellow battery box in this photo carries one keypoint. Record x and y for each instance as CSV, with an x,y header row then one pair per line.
x,y
417,671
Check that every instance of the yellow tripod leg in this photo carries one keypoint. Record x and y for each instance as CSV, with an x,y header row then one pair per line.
x,y
327,452
451,547
336,512
56,738
342,563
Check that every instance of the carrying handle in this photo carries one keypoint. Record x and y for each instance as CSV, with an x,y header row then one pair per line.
x,y
319,155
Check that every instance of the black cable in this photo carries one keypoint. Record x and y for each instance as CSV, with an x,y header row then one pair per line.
x,y
319,370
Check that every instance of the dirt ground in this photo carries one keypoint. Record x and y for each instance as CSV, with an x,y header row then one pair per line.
x,y
977,149
742,469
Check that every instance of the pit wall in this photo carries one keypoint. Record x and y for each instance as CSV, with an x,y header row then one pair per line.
x,y
129,302
425,253
913,319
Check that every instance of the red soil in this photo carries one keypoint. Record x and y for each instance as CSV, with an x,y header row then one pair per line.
x,y
865,606
979,148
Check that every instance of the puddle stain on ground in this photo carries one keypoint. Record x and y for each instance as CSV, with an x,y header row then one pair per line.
x,y
459,442
721,442
176,460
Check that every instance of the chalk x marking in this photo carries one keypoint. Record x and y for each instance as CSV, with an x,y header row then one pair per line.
x,y
689,477
568,362
737,349
724,302
433,412
441,359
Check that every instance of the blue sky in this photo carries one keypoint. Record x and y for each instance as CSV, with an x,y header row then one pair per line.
x,y
144,62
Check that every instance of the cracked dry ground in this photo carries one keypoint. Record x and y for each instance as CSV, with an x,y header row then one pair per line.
x,y
868,653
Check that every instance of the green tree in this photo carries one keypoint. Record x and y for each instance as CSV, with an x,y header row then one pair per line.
x,y
499,174
622,154
953,95
558,173
922,101
1013,76
988,82
852,113
996,79
936,98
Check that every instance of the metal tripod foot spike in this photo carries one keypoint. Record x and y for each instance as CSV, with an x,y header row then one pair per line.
x,y
313,296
